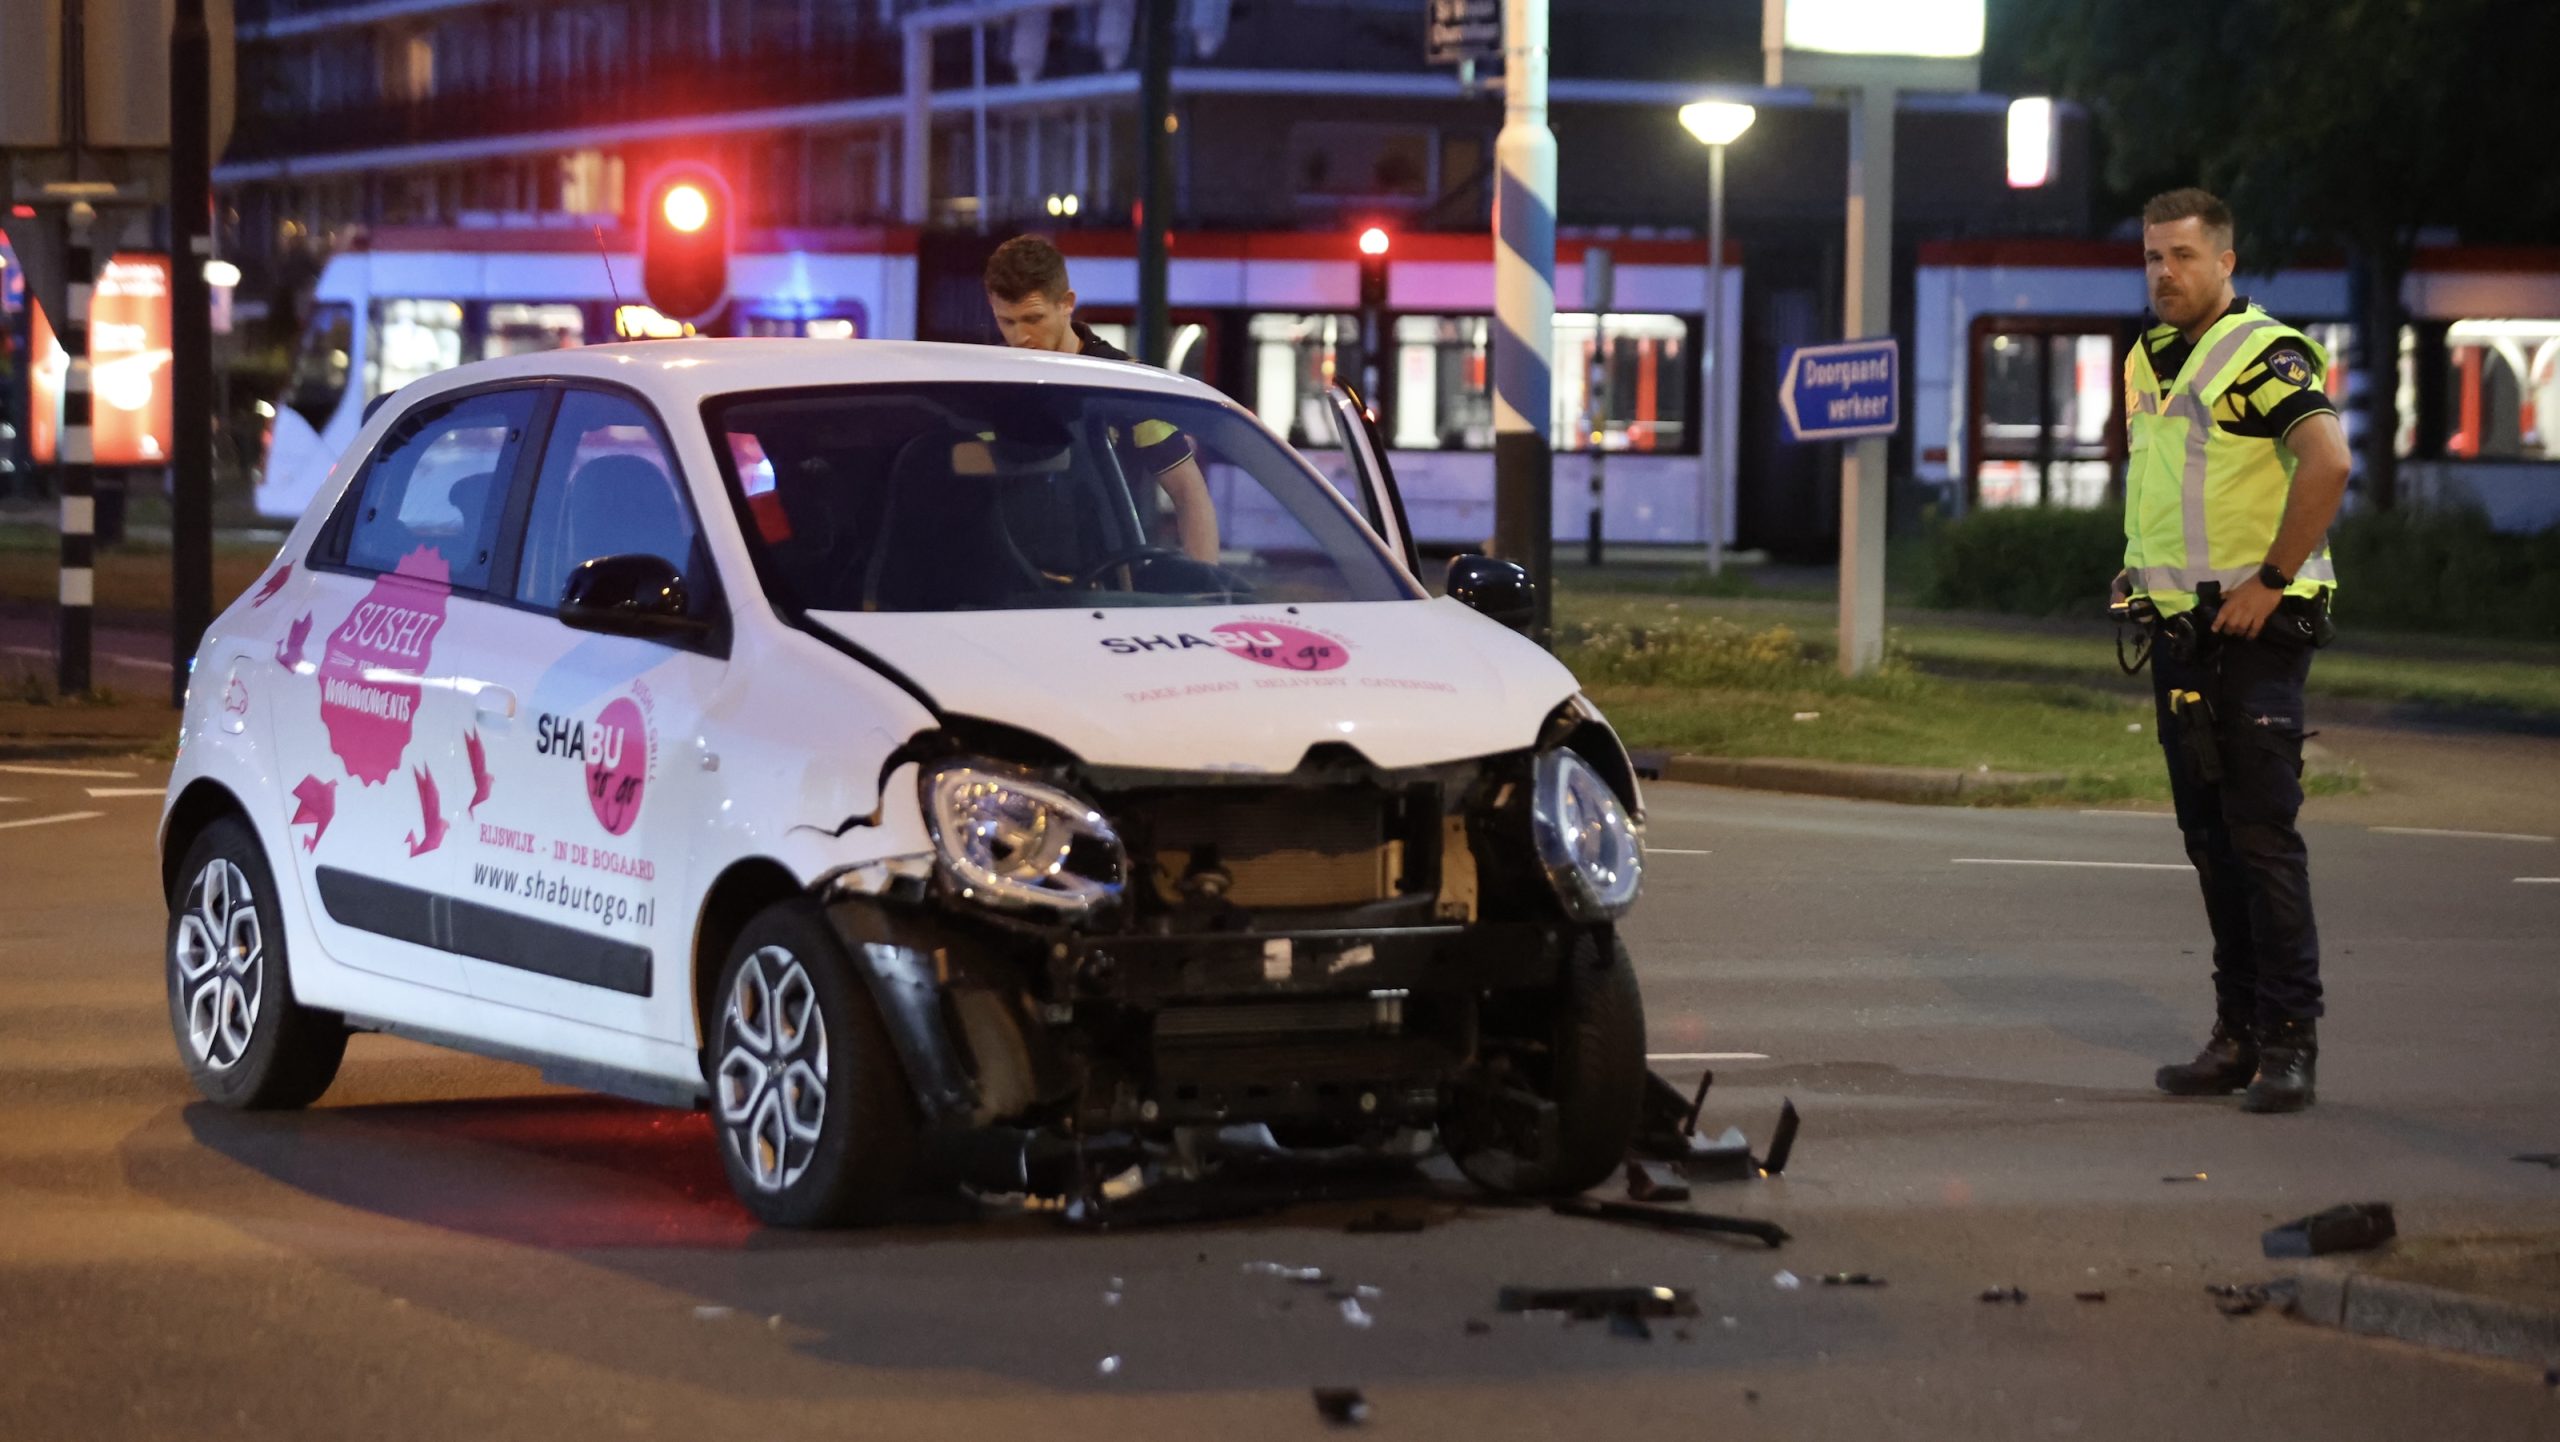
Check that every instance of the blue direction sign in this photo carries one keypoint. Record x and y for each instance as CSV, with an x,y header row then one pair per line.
x,y
1836,392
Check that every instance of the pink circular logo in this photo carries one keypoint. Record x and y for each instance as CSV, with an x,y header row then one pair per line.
x,y
618,765
1287,647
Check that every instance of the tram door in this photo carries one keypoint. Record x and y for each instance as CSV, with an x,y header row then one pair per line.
x,y
2045,410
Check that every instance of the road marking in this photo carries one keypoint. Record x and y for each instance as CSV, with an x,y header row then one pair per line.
x,y
2459,835
2538,881
68,771
115,656
143,661
100,793
1706,1056
2141,815
49,820
2099,865
1673,851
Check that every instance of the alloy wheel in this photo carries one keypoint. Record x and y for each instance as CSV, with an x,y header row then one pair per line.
x,y
772,1078
221,957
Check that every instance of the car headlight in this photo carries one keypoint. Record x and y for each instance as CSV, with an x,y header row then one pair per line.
x,y
1586,841
1021,844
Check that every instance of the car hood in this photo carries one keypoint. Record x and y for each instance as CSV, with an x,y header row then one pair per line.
x,y
1228,688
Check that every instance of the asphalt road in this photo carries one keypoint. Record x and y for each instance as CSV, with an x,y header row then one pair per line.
x,y
447,1248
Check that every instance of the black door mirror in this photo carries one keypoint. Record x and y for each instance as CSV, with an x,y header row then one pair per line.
x,y
1496,588
636,595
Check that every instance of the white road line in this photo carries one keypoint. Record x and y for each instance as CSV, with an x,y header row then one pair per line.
x,y
2538,881
67,771
2458,835
101,793
1706,1056
1673,851
49,820
2098,865
2139,815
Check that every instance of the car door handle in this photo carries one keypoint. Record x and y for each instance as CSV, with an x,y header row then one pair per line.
x,y
494,704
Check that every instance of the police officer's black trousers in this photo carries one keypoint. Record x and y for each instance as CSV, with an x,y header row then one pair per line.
x,y
2240,831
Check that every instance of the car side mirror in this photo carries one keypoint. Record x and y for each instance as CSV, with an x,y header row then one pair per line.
x,y
636,595
1495,588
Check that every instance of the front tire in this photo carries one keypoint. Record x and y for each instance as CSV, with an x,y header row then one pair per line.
x,y
1582,1051
816,1124
246,1042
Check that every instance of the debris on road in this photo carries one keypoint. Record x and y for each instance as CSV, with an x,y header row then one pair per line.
x,y
1342,1406
2088,1296
1787,1281
2186,1177
1357,1315
1624,1308
1478,1327
2354,1227
1670,1219
1655,1182
2241,1301
1108,1366
1852,1279
1669,1133
2540,1159
2014,1295
1304,1276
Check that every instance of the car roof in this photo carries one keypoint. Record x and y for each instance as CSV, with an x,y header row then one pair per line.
x,y
679,374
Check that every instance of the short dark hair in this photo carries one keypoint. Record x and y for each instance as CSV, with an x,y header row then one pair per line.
x,y
1024,266
2189,201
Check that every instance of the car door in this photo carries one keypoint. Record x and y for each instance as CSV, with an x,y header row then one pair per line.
x,y
574,873
372,713
1376,479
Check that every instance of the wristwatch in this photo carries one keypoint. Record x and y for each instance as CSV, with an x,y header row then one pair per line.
x,y
2271,578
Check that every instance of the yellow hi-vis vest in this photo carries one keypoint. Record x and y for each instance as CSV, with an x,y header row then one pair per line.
x,y
2201,504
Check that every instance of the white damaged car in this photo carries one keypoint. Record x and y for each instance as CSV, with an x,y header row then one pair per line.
x,y
924,759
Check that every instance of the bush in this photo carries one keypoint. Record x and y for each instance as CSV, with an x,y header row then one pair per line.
x,y
2032,562
2444,569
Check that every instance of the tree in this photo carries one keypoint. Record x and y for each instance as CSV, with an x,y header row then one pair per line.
x,y
2355,124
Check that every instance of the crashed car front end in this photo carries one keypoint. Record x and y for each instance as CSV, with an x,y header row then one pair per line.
x,y
1120,950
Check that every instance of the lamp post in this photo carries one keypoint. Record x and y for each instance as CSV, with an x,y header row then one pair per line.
x,y
1716,124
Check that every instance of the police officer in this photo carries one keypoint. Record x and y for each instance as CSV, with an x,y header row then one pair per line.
x,y
2236,467
1027,289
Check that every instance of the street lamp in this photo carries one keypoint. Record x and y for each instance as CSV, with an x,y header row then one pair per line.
x,y
1716,124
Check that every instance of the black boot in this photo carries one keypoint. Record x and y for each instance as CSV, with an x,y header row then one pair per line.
x,y
2288,1055
2223,1067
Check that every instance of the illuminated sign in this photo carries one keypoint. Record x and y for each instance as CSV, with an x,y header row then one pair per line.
x,y
129,418
1935,29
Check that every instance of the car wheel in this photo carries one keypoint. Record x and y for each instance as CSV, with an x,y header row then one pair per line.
x,y
246,1042
817,1125
1584,1057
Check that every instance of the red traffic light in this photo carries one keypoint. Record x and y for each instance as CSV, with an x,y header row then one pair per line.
x,y
1373,241
686,228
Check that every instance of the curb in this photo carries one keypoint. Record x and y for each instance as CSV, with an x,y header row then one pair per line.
x,y
1926,785
2332,1295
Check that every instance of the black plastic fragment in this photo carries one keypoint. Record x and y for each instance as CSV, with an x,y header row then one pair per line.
x,y
2185,1177
2245,1301
1630,1325
2354,1227
1655,1182
2088,1296
1589,1304
1852,1279
1782,1143
2540,1159
1342,1406
1671,1219
1478,1327
2014,1295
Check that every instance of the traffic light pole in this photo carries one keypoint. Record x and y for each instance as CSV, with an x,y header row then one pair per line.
x,y
1155,178
73,452
1524,308
190,343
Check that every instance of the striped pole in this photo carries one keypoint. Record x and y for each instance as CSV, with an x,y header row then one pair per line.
x,y
73,453
1524,306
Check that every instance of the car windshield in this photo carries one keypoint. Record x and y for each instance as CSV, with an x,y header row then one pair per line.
x,y
978,496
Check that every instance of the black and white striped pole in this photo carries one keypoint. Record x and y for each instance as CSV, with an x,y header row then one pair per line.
x,y
73,455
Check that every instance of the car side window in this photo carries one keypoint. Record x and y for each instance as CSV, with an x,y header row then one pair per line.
x,y
607,488
438,483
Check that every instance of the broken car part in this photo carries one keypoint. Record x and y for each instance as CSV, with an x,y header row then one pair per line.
x,y
1341,1406
2013,1295
1670,1219
1590,1304
1852,1279
2354,1227
1655,1182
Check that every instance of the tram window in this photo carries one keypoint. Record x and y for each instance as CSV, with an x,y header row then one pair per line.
x,y
1188,352
1295,357
1444,398
520,329
411,338
2047,397
2503,392
319,382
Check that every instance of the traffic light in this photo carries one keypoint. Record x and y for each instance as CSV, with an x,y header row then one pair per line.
x,y
685,228
1373,268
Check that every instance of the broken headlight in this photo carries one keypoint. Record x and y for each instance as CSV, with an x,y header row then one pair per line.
x,y
1020,844
1586,841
